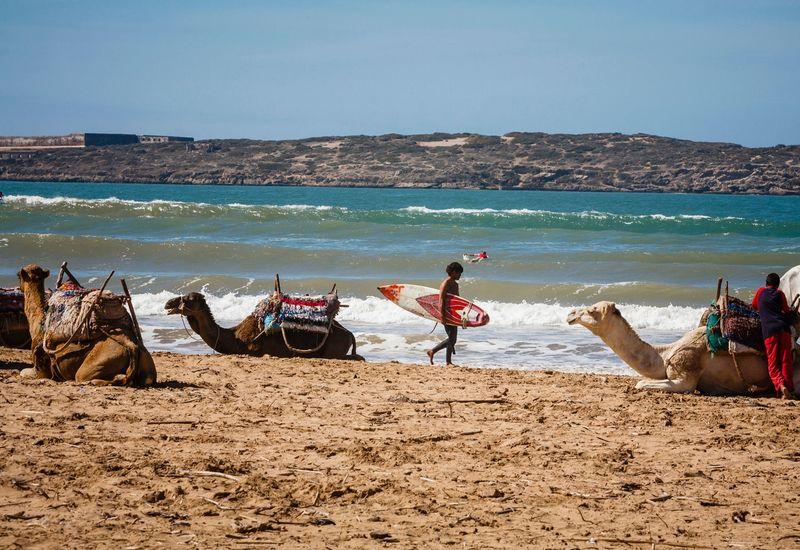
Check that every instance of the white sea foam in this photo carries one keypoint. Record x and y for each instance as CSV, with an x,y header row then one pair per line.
x,y
297,207
626,219
323,207
233,307
510,211
586,214
36,200
226,308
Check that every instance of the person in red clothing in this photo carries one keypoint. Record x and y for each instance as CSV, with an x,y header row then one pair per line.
x,y
772,308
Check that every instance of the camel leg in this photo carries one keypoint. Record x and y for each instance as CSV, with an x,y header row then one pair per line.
x,y
105,364
686,384
354,356
41,363
339,344
147,369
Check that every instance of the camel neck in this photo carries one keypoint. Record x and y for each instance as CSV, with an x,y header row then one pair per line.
x,y
35,306
637,354
217,337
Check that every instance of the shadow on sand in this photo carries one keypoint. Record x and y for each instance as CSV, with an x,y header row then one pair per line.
x,y
14,365
174,385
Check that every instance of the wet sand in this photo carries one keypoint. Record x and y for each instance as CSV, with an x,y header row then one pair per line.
x,y
239,452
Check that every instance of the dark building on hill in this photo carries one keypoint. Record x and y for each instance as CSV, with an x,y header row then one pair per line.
x,y
99,140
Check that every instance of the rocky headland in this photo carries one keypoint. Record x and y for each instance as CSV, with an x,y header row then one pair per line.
x,y
585,162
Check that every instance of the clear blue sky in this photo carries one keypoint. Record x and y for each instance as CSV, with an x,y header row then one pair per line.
x,y
725,70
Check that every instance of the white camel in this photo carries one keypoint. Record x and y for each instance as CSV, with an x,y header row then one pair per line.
x,y
790,283
680,367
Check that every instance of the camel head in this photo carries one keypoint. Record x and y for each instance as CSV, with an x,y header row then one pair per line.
x,y
32,273
595,317
188,305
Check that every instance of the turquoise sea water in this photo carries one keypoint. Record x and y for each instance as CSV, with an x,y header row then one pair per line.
x,y
657,254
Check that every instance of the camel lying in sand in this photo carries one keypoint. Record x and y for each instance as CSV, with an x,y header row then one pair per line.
x,y
115,359
683,366
246,338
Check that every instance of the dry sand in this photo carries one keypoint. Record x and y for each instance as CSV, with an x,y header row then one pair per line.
x,y
444,142
237,452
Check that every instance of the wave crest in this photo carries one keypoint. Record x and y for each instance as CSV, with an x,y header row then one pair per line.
x,y
232,308
417,215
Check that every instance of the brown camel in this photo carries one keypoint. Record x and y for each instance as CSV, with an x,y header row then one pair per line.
x,y
244,338
114,359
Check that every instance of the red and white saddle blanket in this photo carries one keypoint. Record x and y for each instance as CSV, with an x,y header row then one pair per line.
x,y
297,312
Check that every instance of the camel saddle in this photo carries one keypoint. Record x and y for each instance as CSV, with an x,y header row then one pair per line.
x,y
79,314
741,323
11,300
303,313
732,325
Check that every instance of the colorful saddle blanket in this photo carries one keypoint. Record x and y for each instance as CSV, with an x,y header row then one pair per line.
x,y
742,335
83,314
740,323
11,300
716,341
297,312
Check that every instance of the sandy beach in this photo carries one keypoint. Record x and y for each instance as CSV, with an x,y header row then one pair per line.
x,y
236,452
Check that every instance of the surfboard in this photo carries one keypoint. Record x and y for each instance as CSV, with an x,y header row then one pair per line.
x,y
469,258
424,302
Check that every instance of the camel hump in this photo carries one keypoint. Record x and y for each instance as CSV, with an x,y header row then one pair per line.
x,y
298,312
81,314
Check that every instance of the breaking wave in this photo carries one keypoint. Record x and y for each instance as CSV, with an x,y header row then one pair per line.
x,y
510,218
231,308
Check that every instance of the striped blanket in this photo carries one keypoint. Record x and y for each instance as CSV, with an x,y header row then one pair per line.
x,y
302,313
11,300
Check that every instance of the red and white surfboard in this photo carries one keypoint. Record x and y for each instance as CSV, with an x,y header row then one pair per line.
x,y
424,302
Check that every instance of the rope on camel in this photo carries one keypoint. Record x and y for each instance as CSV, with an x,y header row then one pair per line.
x,y
307,351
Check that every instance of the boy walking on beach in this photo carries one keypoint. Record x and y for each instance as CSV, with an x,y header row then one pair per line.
x,y
772,307
448,286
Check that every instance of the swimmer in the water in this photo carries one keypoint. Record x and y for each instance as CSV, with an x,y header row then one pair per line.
x,y
475,258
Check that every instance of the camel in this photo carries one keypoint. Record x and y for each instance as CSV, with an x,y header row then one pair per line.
x,y
113,359
790,283
244,338
680,367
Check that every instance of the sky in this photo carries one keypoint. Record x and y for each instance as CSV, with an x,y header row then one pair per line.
x,y
708,70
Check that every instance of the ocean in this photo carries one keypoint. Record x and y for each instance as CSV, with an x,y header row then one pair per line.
x,y
657,256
